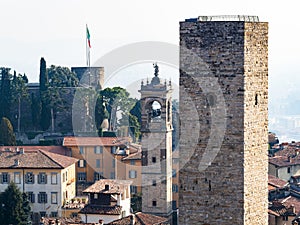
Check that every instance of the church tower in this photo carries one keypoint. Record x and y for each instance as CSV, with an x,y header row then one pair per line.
x,y
224,134
156,128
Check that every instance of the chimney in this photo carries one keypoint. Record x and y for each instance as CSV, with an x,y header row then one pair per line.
x,y
22,151
289,158
17,162
106,187
132,219
101,222
57,222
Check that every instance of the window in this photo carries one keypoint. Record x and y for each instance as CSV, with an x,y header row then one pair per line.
x,y
95,196
53,178
66,175
31,197
256,99
174,204
133,189
63,177
42,178
43,214
42,197
29,178
173,173
81,150
81,163
132,162
113,149
5,178
113,163
154,159
54,197
98,149
54,214
112,175
81,176
153,182
17,177
132,174
97,163
174,188
154,203
98,176
289,170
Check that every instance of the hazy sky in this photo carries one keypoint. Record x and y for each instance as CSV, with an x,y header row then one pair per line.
x,y
55,29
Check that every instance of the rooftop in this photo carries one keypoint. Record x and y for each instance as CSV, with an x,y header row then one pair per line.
x,y
94,141
275,182
101,209
140,219
108,186
34,159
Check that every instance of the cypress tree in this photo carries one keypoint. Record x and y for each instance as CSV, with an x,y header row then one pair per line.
x,y
5,100
44,83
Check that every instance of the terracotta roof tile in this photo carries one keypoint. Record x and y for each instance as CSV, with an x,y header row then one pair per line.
x,y
278,208
34,159
95,141
104,210
276,182
284,161
115,186
141,219
54,149
291,201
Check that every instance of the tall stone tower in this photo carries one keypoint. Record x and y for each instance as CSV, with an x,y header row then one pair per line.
x,y
224,133
156,128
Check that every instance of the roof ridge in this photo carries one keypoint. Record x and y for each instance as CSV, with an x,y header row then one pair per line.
x,y
46,154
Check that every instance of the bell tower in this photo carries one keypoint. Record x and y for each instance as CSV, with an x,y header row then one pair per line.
x,y
156,128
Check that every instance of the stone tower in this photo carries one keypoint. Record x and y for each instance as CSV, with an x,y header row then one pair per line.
x,y
156,128
224,133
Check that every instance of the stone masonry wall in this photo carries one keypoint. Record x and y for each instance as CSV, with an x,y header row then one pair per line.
x,y
217,168
256,123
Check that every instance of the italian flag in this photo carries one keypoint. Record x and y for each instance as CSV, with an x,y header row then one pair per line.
x,y
88,36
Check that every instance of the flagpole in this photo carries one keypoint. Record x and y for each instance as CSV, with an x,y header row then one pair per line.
x,y
88,54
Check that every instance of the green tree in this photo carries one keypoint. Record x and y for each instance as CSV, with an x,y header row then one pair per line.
x,y
101,113
35,110
15,208
136,111
58,79
85,108
19,91
44,84
117,100
5,91
61,77
7,136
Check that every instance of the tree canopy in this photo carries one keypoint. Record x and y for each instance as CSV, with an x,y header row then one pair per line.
x,y
15,208
7,136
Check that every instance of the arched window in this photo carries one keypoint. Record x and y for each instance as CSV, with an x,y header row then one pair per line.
x,y
156,109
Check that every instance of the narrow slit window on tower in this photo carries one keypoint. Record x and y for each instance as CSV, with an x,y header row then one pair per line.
x,y
256,99
154,159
